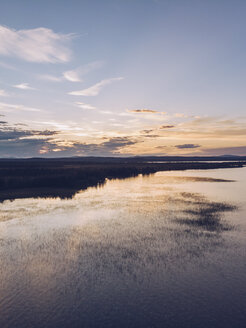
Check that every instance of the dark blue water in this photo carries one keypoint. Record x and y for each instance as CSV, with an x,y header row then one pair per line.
x,y
168,250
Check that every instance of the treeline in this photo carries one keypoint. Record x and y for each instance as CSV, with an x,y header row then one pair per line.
x,y
63,178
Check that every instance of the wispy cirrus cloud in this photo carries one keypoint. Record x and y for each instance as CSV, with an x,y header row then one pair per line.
x,y
40,45
23,86
96,88
76,74
84,106
13,107
51,78
73,75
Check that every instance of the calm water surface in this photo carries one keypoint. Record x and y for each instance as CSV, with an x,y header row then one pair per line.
x,y
166,250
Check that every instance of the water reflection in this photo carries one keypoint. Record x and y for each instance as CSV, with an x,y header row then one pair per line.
x,y
205,214
152,251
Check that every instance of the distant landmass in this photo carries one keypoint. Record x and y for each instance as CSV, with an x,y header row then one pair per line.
x,y
131,159
64,177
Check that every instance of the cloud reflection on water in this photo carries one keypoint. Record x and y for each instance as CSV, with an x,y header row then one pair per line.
x,y
132,246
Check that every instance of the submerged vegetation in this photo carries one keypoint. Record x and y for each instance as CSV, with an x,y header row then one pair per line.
x,y
64,177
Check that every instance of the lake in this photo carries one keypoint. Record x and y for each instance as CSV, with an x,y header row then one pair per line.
x,y
164,250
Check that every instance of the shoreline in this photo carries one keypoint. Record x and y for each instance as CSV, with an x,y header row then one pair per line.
x,y
65,178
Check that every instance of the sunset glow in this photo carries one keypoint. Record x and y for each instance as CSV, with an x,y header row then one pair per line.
x,y
144,77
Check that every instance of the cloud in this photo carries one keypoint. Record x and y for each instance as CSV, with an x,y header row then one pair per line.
x,y
126,114
180,115
113,144
152,136
51,78
212,128
151,111
166,127
187,146
23,86
21,142
203,120
21,147
108,148
20,124
41,45
3,93
56,125
84,106
72,76
12,107
145,111
75,74
13,133
96,88
147,131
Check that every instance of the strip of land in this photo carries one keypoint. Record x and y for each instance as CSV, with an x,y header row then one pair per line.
x,y
64,177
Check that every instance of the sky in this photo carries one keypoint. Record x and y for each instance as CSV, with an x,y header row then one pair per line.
x,y
122,77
